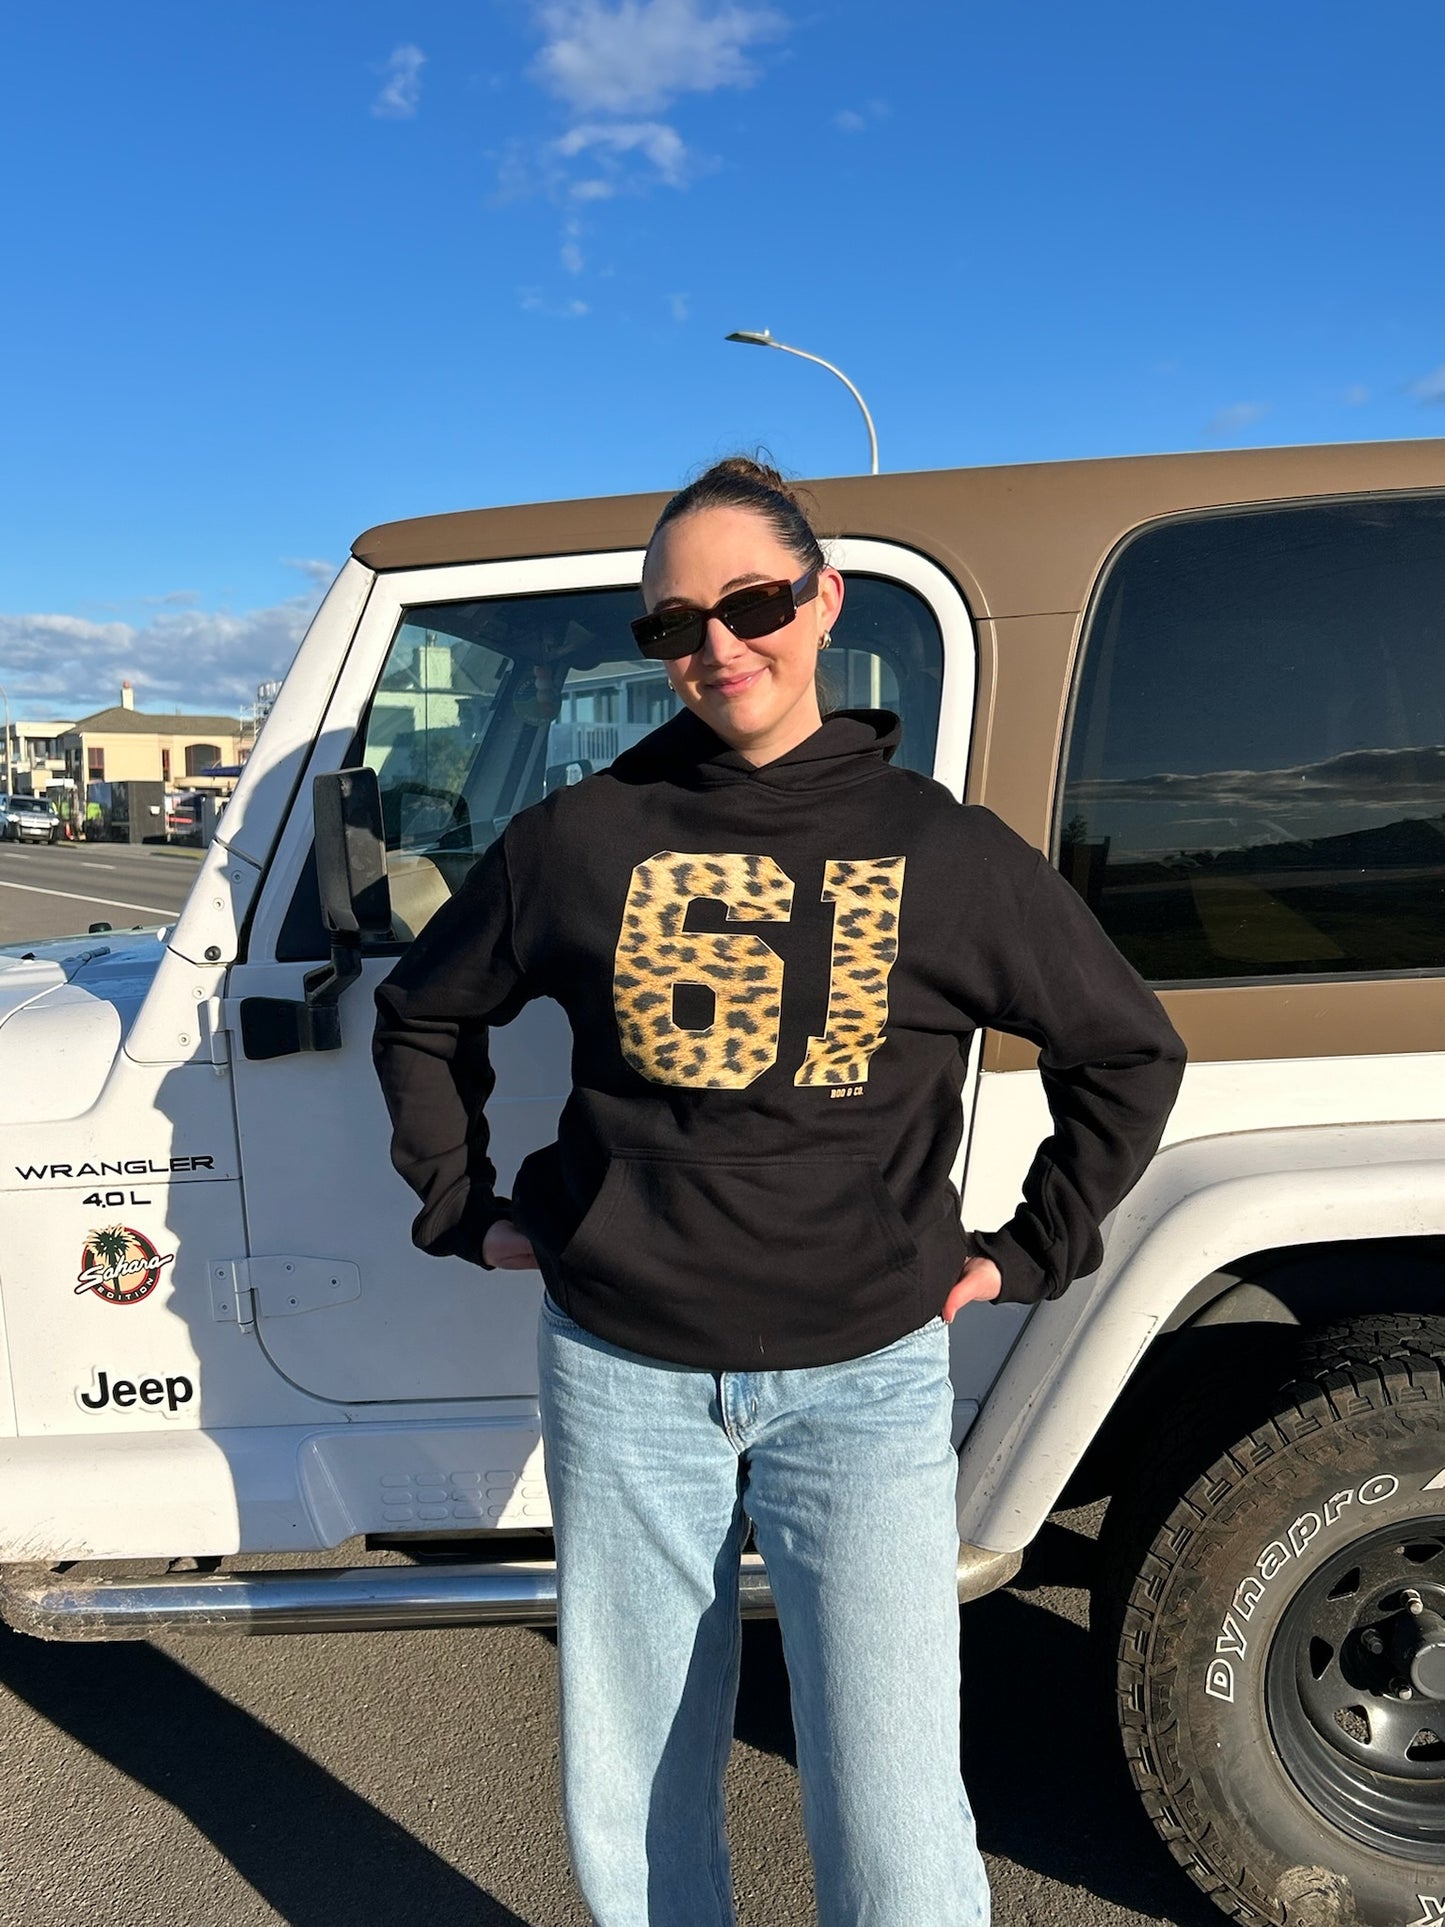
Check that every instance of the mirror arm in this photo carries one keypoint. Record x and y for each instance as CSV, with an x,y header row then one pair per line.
x,y
285,1026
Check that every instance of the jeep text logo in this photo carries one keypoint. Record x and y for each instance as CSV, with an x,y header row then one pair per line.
x,y
169,1394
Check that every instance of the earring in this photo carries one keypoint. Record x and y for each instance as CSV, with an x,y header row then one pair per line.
x,y
827,638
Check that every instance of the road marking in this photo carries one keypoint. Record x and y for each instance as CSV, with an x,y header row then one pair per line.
x,y
75,896
89,863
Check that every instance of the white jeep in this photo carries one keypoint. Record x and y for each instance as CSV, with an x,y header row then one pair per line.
x,y
1212,687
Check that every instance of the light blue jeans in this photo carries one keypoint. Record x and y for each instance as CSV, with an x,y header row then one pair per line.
x,y
847,1474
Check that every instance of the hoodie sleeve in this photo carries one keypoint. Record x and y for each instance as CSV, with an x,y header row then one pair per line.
x,y
1111,1064
459,978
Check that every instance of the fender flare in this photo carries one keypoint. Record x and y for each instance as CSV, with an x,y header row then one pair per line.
x,y
1201,1204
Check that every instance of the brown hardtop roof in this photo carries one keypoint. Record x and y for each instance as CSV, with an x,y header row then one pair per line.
x,y
1023,539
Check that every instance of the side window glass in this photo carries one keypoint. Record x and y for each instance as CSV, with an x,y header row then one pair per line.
x,y
485,707
1254,781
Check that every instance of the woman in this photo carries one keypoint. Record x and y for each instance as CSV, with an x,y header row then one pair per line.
x,y
773,949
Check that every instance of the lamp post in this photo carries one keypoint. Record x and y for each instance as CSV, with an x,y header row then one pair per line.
x,y
761,338
6,695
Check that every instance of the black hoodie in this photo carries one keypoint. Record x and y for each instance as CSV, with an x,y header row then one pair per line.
x,y
772,975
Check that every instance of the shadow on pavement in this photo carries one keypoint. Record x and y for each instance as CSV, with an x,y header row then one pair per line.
x,y
1042,1758
314,1851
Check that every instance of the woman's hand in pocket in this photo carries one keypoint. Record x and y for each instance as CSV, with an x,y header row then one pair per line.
x,y
981,1281
508,1249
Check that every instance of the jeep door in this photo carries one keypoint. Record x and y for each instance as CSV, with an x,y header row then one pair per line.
x,y
473,691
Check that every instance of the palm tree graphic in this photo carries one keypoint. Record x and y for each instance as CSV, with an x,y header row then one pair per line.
x,y
110,1245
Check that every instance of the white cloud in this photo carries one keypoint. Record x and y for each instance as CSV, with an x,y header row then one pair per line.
x,y
172,599
201,661
1239,414
852,120
607,142
1431,387
636,55
317,572
1356,395
678,304
617,65
401,94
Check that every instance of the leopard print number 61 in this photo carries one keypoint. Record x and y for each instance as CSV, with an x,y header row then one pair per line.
x,y
655,955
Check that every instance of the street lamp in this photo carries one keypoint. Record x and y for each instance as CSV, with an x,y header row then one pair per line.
x,y
761,338
5,694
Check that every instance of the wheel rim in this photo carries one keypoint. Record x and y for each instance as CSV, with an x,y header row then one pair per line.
x,y
1363,1744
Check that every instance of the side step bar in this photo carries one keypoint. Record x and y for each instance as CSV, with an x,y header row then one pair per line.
x,y
348,1599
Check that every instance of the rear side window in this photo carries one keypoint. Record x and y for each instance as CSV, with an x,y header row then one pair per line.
x,y
1254,778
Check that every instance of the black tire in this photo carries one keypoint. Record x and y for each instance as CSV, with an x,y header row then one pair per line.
x,y
1349,1342
1240,1638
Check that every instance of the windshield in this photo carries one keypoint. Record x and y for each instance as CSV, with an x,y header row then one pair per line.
x,y
33,805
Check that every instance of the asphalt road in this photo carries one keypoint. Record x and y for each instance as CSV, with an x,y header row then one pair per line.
x,y
409,1779
59,890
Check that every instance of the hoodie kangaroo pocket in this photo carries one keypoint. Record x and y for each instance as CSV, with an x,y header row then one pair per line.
x,y
777,1250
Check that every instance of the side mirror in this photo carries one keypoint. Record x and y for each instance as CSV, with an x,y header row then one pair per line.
x,y
351,856
355,903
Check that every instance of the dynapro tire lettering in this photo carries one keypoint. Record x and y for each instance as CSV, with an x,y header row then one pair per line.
x,y
1232,1642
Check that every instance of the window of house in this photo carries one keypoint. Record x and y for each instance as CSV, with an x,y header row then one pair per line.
x,y
200,757
95,765
1254,781
165,766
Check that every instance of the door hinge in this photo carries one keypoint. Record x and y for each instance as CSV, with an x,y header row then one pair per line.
x,y
215,1021
245,1289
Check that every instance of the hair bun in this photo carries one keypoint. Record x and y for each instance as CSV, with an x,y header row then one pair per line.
x,y
747,468
742,481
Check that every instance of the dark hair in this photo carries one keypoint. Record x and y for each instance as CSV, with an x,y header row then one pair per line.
x,y
740,482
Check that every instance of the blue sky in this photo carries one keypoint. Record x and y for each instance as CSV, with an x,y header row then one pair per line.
x,y
274,272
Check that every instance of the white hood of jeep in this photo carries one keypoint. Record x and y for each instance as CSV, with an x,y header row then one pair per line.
x,y
64,1007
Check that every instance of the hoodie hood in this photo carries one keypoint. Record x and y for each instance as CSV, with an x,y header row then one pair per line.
x,y
851,746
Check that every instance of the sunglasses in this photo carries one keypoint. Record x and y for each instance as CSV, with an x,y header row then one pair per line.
x,y
747,613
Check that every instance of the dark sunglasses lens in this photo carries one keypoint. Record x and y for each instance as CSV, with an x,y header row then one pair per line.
x,y
664,637
758,612
748,613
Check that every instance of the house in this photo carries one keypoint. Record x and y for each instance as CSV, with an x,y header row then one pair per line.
x,y
32,759
126,744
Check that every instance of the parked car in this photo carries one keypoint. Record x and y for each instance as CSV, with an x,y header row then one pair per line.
x,y
29,819
1212,689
